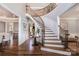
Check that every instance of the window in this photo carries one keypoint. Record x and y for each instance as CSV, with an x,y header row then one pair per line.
x,y
2,27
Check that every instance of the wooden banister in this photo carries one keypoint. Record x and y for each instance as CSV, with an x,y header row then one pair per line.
x,y
43,11
64,36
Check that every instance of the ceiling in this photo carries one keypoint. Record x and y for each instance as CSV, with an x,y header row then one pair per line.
x,y
6,13
37,5
72,12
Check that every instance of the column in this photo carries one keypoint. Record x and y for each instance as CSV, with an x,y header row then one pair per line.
x,y
6,27
11,33
22,34
58,29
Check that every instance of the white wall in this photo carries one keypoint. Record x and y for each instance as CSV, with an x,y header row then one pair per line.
x,y
72,25
64,23
23,36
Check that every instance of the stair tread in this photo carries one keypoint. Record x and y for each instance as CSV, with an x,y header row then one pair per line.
x,y
56,51
54,45
53,39
50,36
51,42
56,48
45,53
49,32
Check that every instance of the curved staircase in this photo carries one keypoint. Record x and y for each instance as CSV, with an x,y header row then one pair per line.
x,y
52,45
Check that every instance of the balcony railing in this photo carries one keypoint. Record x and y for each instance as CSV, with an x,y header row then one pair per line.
x,y
42,11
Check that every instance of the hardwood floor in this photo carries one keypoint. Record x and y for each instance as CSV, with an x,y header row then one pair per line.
x,y
74,47
27,49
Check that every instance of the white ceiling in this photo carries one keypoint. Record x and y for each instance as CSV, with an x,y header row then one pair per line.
x,y
5,13
37,5
72,12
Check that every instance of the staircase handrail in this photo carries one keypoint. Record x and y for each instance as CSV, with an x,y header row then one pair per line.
x,y
44,10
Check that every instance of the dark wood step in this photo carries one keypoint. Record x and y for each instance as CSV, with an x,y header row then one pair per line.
x,y
45,53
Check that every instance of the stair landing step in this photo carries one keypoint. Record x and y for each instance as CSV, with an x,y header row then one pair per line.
x,y
56,51
54,45
46,53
